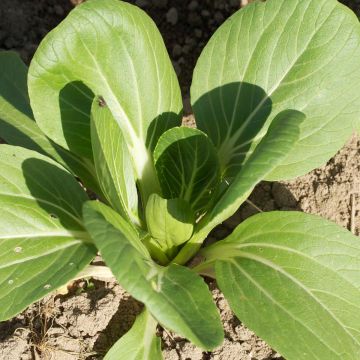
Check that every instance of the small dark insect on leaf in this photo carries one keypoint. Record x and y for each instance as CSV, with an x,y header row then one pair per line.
x,y
101,101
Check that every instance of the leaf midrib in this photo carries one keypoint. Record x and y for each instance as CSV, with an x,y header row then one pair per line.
x,y
120,111
294,251
233,138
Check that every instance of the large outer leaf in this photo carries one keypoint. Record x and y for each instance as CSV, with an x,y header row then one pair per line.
x,y
177,297
277,55
140,343
17,126
41,234
187,166
295,280
274,146
113,164
115,49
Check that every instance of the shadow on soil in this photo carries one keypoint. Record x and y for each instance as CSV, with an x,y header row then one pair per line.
x,y
119,325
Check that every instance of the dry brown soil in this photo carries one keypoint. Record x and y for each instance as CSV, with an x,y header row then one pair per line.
x,y
87,321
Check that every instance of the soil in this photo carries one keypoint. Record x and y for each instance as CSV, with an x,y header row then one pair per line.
x,y
86,322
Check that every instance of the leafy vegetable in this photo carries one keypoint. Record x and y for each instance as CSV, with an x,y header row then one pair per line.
x,y
164,290
138,66
18,127
113,163
275,94
43,241
139,343
272,56
272,258
187,166
170,221
275,145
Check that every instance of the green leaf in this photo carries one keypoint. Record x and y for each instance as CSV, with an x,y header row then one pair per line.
x,y
16,119
272,149
295,282
177,297
115,220
43,243
169,221
75,100
114,49
273,56
140,343
113,164
17,126
187,166
82,168
13,85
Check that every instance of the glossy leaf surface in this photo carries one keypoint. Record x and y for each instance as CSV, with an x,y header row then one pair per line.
x,y
139,343
43,243
114,49
294,276
177,297
17,125
272,149
273,56
188,167
113,163
170,221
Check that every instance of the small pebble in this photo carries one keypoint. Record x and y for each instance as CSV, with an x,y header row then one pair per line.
x,y
205,13
58,10
172,16
193,5
190,41
177,50
198,33
186,49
